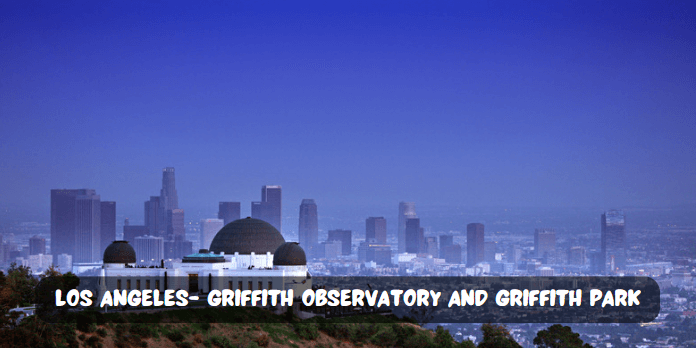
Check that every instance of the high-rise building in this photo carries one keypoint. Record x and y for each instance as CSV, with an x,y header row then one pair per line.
x,y
309,227
37,245
108,225
87,229
168,195
431,246
229,211
544,242
175,224
63,209
474,244
614,240
155,217
177,248
345,237
415,242
452,253
376,227
130,232
372,250
149,250
209,228
330,250
407,210
269,209
446,241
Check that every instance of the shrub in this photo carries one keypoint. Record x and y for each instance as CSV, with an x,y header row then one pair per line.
x,y
306,331
175,336
263,340
101,332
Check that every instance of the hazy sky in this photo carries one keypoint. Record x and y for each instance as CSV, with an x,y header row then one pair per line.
x,y
458,103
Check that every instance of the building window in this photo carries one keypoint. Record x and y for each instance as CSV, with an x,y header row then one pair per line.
x,y
128,285
260,286
137,284
156,283
270,285
118,284
147,283
230,285
240,285
251,285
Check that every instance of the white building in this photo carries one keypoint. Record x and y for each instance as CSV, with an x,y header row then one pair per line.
x,y
209,228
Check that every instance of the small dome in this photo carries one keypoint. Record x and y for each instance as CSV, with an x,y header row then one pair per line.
x,y
119,252
289,254
246,236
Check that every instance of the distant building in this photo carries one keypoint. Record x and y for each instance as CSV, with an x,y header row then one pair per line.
x,y
597,262
150,250
452,253
308,229
415,241
64,263
445,241
544,242
87,228
37,245
474,244
330,250
229,211
614,240
431,246
64,217
489,250
108,225
345,237
576,255
514,253
155,217
373,251
130,232
269,209
177,248
175,224
544,272
209,228
376,228
407,210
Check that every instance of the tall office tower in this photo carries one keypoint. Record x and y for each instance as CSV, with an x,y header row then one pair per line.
x,y
415,243
63,219
175,224
446,241
37,245
87,229
343,236
149,250
371,250
489,250
577,255
177,248
407,210
474,244
170,199
154,217
431,246
614,240
270,207
209,228
544,242
309,227
229,211
376,228
108,225
130,232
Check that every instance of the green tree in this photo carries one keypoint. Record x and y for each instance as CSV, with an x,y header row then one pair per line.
x,y
18,288
559,336
497,336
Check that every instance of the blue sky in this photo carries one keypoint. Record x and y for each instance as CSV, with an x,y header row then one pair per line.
x,y
551,104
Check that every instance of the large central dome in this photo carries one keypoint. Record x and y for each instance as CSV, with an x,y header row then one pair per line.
x,y
246,236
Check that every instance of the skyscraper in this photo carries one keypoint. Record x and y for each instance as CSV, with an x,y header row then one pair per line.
x,y
309,227
270,207
446,241
170,199
87,229
376,227
407,210
544,241
474,244
209,228
155,217
415,241
175,224
149,250
63,209
229,211
108,225
431,246
613,240
37,245
343,236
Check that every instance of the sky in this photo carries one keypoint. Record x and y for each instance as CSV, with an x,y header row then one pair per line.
x,y
354,104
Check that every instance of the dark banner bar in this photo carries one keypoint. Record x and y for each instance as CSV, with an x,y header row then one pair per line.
x,y
423,299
